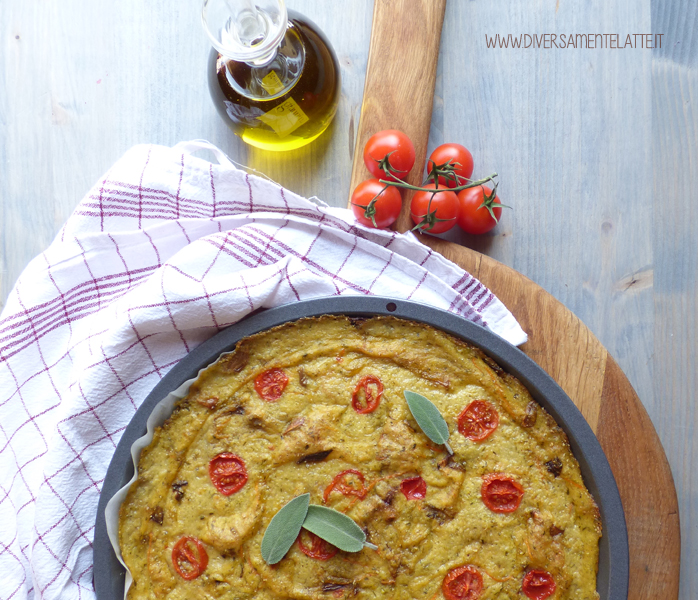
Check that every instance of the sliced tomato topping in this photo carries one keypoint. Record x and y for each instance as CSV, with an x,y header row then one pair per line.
x,y
317,548
189,557
271,384
414,488
349,483
228,473
501,493
367,395
538,584
462,583
478,420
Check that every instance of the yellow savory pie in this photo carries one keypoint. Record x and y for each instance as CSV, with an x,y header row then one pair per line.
x,y
317,406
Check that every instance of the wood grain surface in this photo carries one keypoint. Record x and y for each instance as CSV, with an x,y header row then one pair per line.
x,y
406,35
596,151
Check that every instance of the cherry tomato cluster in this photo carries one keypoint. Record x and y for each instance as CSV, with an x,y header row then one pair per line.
x,y
448,196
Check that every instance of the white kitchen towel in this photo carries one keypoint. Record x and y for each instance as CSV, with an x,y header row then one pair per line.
x,y
165,250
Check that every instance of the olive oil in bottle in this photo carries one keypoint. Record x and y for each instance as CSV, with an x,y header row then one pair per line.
x,y
273,75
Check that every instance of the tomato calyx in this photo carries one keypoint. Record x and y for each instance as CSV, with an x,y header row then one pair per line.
x,y
490,202
449,171
430,219
385,166
370,209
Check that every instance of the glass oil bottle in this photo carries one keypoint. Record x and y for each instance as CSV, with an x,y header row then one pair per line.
x,y
273,75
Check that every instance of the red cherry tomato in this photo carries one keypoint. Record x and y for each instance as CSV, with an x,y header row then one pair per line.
x,y
397,147
373,201
343,484
478,420
434,212
271,384
459,157
538,584
473,215
318,549
189,557
228,473
501,493
462,583
367,395
414,488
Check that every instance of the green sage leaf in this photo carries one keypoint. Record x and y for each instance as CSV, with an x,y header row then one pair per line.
x,y
283,529
428,418
335,528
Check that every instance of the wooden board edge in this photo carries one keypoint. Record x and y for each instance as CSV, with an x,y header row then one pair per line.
x,y
646,487
582,381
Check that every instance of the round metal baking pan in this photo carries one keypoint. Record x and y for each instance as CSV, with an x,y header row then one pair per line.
x,y
612,580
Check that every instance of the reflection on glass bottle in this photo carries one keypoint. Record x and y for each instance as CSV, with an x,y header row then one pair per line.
x,y
273,75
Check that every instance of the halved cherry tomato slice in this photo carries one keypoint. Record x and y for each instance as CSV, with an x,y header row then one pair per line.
x,y
271,384
462,583
228,473
414,488
319,549
478,420
538,584
189,557
372,389
342,483
501,493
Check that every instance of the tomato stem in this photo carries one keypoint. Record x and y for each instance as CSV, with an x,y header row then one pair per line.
x,y
446,170
407,186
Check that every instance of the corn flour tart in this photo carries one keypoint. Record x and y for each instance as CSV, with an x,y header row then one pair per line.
x,y
317,406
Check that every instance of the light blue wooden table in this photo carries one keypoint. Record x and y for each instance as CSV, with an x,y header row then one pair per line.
x,y
597,150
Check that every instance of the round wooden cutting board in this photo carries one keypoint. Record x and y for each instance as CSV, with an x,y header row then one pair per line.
x,y
558,341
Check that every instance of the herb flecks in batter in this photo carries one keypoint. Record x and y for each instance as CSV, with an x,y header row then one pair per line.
x,y
428,418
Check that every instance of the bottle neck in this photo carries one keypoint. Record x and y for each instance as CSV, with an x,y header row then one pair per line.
x,y
249,31
273,78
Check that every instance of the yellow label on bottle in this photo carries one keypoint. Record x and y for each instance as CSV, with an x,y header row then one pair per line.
x,y
285,118
272,84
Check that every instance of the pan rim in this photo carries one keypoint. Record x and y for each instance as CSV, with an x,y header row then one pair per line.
x,y
613,575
